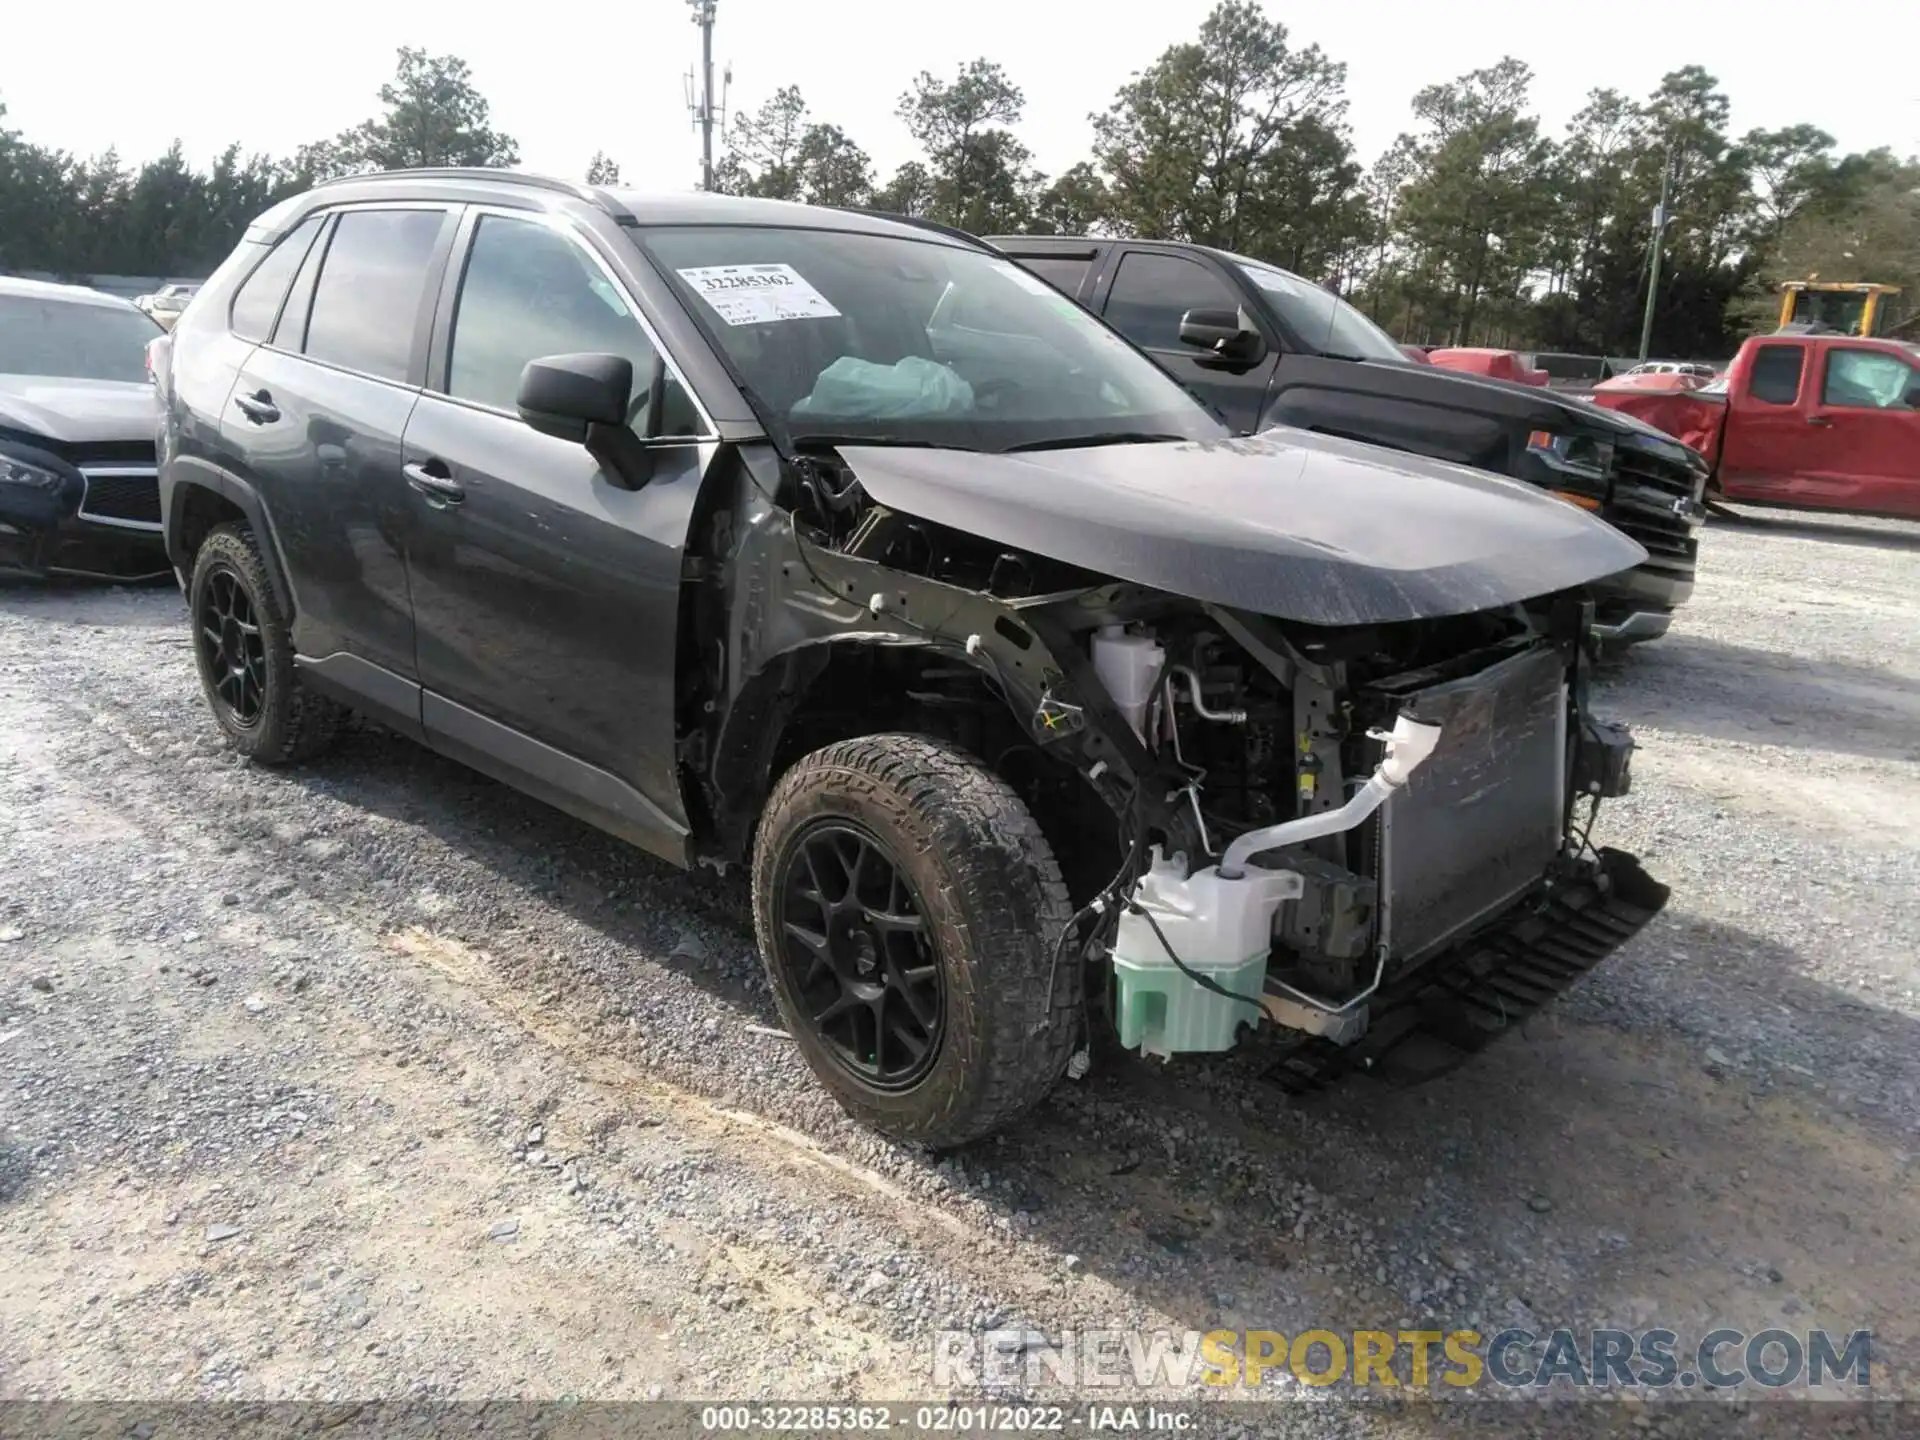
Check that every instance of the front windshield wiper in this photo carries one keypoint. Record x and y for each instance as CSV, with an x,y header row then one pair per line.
x,y
1112,437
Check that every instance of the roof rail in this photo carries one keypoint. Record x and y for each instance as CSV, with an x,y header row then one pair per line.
x,y
920,222
592,194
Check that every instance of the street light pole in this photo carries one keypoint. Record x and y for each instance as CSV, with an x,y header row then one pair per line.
x,y
1659,234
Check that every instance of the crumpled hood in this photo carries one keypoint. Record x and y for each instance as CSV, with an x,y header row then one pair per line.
x,y
78,412
1301,526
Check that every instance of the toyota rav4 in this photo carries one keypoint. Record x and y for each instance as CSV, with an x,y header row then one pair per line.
x,y
1038,706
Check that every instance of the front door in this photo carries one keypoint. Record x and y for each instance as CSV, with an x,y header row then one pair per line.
x,y
1770,435
1150,291
545,597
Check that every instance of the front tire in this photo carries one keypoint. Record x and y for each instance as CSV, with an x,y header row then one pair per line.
x,y
906,906
243,646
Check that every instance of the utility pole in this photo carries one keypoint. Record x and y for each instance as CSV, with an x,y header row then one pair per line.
x,y
1660,218
700,99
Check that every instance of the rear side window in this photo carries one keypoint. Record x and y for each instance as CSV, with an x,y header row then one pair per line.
x,y
371,284
1064,272
258,300
1776,374
1868,380
1151,292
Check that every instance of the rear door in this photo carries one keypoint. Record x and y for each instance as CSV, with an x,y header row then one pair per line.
x,y
546,597
1148,293
1871,460
317,415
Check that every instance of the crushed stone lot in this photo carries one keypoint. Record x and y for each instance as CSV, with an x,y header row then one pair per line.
x,y
377,1080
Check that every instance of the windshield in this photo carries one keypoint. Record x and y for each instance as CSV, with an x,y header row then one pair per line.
x,y
73,339
887,338
1322,319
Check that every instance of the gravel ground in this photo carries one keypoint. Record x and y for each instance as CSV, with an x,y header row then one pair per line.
x,y
375,1079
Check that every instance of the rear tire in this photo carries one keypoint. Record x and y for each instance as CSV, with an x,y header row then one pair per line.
x,y
243,646
930,881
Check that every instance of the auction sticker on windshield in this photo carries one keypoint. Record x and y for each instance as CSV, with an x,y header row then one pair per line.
x,y
757,294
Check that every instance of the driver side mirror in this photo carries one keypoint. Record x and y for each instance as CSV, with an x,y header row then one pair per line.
x,y
585,399
1225,334
1913,398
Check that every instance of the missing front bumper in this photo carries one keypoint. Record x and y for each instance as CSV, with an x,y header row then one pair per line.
x,y
1444,1012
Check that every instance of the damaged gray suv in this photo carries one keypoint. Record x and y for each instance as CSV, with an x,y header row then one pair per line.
x,y
1041,710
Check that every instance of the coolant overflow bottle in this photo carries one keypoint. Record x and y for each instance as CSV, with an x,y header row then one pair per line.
x,y
1129,666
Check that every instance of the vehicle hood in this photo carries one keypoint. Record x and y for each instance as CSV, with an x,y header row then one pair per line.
x,y
78,412
1535,406
1301,526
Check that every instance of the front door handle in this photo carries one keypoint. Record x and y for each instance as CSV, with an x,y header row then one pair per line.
x,y
437,487
1821,420
258,407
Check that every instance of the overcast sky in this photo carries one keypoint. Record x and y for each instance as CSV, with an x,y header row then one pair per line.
x,y
567,79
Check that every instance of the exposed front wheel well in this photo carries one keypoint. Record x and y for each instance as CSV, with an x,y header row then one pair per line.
x,y
865,690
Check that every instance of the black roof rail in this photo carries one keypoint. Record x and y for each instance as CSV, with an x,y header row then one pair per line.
x,y
592,194
920,222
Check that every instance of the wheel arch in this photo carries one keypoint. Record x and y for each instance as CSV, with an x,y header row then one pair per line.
x,y
844,687
200,497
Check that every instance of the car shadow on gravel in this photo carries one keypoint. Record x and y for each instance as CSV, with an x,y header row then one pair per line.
x,y
124,606
600,881
1896,534
1596,1161
1721,690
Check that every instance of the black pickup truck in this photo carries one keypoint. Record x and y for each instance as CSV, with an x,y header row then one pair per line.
x,y
1265,347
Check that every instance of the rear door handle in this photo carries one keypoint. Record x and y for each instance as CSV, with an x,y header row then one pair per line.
x,y
258,407
444,489
1821,420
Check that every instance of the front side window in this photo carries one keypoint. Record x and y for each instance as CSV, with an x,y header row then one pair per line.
x,y
1322,319
258,301
912,340
1776,374
372,280
1868,380
1151,292
49,336
529,291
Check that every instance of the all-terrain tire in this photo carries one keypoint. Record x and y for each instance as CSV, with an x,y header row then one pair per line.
x,y
287,723
990,891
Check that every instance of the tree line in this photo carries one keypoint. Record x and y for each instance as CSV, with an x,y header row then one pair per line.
x,y
1476,226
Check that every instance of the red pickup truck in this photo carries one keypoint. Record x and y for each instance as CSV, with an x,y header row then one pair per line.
x,y
1815,422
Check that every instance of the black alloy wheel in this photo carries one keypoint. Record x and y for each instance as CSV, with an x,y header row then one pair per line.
x,y
233,653
854,944
243,649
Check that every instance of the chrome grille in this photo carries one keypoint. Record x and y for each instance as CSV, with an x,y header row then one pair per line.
x,y
1655,500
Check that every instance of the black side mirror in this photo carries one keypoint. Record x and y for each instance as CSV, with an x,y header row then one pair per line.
x,y
1913,398
1224,333
585,399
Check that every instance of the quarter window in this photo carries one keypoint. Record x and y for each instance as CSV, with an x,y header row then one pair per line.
x,y
1151,292
1776,374
367,300
258,301
1064,272
530,291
